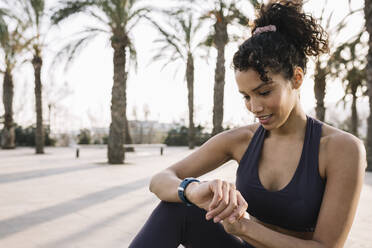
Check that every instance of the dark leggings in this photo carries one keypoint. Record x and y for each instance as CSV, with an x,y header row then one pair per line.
x,y
171,224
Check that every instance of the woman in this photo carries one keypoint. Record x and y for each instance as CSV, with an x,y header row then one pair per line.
x,y
298,181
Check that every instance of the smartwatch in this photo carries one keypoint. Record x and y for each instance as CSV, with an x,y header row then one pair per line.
x,y
182,188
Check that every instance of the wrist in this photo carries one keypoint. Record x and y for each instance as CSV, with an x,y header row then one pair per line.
x,y
189,189
245,227
182,189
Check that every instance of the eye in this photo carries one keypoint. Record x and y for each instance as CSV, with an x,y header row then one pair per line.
x,y
265,93
246,98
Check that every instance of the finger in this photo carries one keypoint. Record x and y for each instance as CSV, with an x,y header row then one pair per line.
x,y
224,203
220,206
216,188
229,213
226,192
240,210
242,206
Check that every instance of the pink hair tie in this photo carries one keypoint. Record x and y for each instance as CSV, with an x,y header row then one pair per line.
x,y
268,28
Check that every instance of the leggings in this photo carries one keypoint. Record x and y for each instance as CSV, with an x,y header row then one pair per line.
x,y
172,224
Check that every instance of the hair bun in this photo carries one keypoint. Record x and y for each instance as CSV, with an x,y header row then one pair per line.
x,y
298,28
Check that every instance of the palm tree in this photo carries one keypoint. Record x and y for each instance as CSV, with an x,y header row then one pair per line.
x,y
33,13
30,15
348,61
368,25
178,45
320,78
118,18
322,67
222,13
12,43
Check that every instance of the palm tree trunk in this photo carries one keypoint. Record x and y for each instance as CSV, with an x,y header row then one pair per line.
x,y
354,112
39,135
219,78
368,23
319,90
190,88
127,137
8,133
115,150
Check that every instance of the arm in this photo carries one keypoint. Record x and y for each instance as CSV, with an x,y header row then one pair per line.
x,y
209,156
346,163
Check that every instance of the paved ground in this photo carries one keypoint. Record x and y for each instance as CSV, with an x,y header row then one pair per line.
x,y
55,200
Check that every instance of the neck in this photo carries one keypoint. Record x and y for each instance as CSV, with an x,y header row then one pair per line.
x,y
294,126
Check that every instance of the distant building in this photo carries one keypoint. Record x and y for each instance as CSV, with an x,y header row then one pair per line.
x,y
142,132
149,132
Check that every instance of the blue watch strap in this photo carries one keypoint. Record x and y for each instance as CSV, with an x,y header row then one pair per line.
x,y
182,188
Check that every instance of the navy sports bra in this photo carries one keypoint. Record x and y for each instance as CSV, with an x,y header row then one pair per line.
x,y
296,206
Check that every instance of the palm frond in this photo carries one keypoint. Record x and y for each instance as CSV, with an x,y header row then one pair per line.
x,y
139,13
70,8
256,4
171,60
109,8
166,47
157,57
169,38
26,10
4,33
323,11
71,50
234,14
343,22
8,13
132,55
97,17
208,41
328,23
197,27
38,7
135,17
89,30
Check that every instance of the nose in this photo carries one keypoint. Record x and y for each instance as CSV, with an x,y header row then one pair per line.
x,y
254,106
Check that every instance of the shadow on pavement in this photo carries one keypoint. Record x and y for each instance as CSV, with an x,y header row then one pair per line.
x,y
27,175
28,220
71,239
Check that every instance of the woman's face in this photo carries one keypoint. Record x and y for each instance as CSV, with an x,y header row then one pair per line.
x,y
270,102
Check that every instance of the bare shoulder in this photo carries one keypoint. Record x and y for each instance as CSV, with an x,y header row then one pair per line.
x,y
344,160
241,133
340,148
239,139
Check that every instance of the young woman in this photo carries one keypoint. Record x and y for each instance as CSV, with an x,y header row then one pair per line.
x,y
298,181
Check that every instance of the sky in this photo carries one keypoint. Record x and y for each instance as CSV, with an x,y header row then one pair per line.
x,y
80,97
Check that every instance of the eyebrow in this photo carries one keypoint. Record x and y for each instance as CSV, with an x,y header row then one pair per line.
x,y
258,87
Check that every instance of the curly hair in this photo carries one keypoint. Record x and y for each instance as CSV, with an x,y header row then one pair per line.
x,y
297,36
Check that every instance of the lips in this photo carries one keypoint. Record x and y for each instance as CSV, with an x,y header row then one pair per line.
x,y
264,119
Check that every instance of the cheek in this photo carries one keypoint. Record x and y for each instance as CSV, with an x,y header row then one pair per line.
x,y
285,100
275,101
247,105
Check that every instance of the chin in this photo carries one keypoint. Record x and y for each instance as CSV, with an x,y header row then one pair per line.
x,y
268,127
270,124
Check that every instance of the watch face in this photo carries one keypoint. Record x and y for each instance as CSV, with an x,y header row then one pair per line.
x,y
181,189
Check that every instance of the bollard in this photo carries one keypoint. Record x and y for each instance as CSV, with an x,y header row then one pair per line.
x,y
77,152
161,151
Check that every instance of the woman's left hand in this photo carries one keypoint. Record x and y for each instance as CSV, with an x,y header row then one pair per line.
x,y
235,228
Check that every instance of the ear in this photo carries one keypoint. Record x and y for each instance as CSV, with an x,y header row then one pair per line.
x,y
298,77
